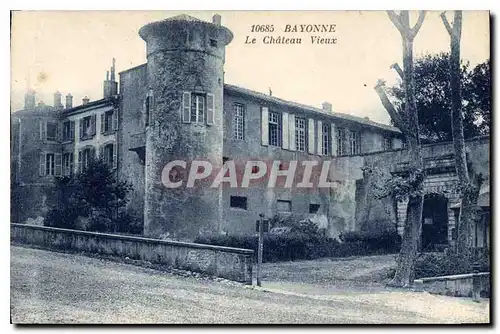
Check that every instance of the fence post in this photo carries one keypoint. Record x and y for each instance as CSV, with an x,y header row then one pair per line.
x,y
476,283
259,250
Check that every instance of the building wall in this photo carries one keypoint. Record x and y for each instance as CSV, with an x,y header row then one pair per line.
x,y
133,88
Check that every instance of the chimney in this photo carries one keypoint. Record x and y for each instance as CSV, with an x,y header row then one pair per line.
x,y
327,107
69,101
29,99
85,100
110,86
216,19
57,100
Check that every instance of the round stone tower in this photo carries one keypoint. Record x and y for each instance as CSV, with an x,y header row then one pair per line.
x,y
183,107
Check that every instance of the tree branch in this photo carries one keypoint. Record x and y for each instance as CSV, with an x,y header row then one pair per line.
x,y
398,69
446,23
418,25
457,24
396,21
395,116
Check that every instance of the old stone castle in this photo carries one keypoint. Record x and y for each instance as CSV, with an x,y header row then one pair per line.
x,y
177,106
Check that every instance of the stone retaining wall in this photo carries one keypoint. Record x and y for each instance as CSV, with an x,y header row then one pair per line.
x,y
456,285
231,263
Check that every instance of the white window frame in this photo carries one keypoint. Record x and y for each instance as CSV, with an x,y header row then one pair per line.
x,y
274,129
50,164
198,106
239,121
52,139
354,142
300,134
327,136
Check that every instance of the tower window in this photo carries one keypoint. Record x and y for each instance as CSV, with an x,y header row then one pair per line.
x,y
213,42
387,143
197,108
239,202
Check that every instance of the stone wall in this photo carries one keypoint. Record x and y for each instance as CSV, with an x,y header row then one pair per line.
x,y
455,285
231,263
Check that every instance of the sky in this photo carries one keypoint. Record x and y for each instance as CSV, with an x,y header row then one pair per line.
x,y
70,52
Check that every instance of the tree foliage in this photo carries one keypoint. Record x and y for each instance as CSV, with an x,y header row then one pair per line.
x,y
433,97
96,195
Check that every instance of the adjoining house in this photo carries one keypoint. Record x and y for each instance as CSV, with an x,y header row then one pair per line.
x,y
177,106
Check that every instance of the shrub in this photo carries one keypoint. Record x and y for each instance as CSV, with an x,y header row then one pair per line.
x,y
377,242
448,263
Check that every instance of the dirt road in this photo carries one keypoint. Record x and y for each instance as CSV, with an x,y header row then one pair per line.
x,y
49,287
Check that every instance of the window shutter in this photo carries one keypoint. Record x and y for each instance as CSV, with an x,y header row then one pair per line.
x,y
115,156
72,130
115,119
102,122
186,107
93,124
210,109
42,164
59,131
311,137
320,138
58,164
101,152
334,139
80,122
79,161
43,126
71,163
284,130
264,112
291,132
92,153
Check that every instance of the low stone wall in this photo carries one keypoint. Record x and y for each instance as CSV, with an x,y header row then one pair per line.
x,y
231,263
456,285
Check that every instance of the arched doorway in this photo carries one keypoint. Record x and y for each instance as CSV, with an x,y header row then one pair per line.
x,y
434,222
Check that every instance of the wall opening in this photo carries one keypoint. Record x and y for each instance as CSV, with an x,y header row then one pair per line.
x,y
434,222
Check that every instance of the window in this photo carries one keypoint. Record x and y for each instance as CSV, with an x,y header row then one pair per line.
x,y
326,139
354,142
68,164
85,157
404,144
107,122
50,163
340,141
197,108
313,208
239,122
239,202
213,42
87,127
274,129
108,154
51,133
284,206
387,144
300,134
68,131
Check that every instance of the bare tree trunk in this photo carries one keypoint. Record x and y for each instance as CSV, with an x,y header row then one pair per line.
x,y
468,190
407,122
